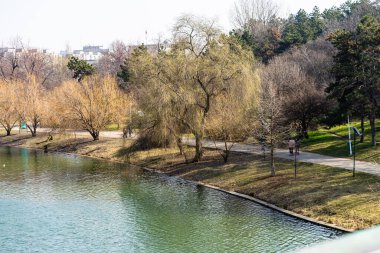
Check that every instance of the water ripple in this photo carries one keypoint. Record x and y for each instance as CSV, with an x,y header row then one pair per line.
x,y
62,203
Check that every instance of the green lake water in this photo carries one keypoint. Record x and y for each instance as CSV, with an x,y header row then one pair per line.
x,y
64,203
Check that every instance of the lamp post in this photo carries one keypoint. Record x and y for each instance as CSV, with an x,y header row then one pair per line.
x,y
356,133
295,164
296,152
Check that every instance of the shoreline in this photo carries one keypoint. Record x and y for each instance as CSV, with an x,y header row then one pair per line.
x,y
237,194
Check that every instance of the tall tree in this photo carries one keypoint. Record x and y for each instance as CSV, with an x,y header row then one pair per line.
x,y
248,12
32,103
301,28
92,104
230,121
110,63
258,27
357,68
9,107
201,66
217,64
273,127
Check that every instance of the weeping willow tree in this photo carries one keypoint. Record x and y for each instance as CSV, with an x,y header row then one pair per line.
x,y
153,120
182,86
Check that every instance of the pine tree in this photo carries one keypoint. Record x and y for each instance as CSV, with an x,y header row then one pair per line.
x,y
356,69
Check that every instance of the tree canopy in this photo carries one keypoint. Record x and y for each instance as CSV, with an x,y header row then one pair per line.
x,y
80,68
356,69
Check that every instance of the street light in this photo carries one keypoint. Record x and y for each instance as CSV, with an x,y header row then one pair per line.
x,y
296,152
356,133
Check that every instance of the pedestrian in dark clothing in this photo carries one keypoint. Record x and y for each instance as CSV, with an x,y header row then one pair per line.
x,y
125,132
291,144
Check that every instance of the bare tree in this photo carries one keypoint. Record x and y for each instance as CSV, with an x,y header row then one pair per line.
x,y
256,23
8,106
59,72
315,59
195,34
230,122
304,106
246,13
109,64
20,61
351,14
273,124
10,59
301,87
31,102
91,104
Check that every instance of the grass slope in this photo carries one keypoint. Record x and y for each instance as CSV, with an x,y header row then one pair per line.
x,y
334,142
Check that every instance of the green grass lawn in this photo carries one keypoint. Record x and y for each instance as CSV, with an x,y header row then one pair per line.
x,y
114,127
334,142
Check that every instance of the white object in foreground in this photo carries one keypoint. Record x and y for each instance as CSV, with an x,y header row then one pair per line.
x,y
366,241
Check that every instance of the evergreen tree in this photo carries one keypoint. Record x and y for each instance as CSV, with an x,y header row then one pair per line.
x,y
80,68
356,69
317,23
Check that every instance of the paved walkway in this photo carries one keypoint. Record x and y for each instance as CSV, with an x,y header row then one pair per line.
x,y
344,163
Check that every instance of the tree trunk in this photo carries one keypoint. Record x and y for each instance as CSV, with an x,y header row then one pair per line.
x,y
198,148
372,120
304,130
33,130
34,134
94,134
199,136
226,155
362,127
226,151
8,131
272,166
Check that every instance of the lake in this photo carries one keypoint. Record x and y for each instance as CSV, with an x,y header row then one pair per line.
x,y
66,203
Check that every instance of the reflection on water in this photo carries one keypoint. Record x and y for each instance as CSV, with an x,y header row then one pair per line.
x,y
63,203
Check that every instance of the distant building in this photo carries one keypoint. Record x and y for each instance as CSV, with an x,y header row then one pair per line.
x,y
152,48
4,51
90,54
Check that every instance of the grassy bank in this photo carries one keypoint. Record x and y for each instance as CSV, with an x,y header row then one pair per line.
x,y
324,193
334,142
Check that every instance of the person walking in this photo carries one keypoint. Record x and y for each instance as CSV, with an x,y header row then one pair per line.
x,y
125,132
291,144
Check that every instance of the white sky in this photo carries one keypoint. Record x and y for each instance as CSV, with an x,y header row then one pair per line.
x,y
52,24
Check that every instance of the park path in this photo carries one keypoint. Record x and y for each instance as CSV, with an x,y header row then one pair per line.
x,y
344,163
307,157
